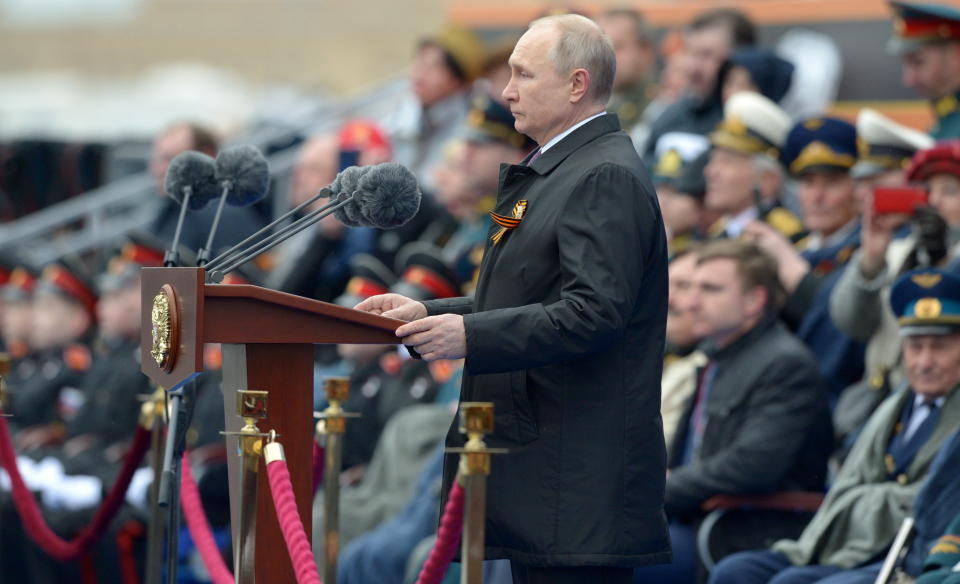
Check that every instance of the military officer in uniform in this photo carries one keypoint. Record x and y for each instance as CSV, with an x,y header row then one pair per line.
x,y
744,178
819,153
927,38
678,178
884,149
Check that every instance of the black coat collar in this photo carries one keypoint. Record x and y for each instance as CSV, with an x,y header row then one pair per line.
x,y
588,132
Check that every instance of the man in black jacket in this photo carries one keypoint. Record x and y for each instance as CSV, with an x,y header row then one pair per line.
x,y
759,420
565,334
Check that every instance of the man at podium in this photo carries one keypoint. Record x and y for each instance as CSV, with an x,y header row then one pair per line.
x,y
565,332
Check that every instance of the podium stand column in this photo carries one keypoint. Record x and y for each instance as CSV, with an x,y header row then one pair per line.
x,y
285,372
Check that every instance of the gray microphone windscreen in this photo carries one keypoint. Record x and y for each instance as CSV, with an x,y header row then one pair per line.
x,y
196,171
388,195
245,171
345,187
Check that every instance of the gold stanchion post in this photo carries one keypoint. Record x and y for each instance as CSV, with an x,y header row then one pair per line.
x,y
251,406
476,420
153,414
332,425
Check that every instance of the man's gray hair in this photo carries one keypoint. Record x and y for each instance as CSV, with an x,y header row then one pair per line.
x,y
763,164
582,44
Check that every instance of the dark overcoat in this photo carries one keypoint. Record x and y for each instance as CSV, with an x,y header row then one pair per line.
x,y
767,423
565,336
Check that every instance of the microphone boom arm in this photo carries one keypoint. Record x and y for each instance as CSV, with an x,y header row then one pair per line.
x,y
216,274
238,247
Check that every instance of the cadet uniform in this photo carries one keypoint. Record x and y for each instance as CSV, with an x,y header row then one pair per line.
x,y
17,295
51,395
915,25
111,393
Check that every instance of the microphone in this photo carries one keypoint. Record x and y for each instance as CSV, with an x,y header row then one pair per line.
x,y
244,172
191,182
388,196
243,175
384,196
343,188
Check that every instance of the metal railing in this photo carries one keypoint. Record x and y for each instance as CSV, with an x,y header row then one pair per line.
x,y
99,217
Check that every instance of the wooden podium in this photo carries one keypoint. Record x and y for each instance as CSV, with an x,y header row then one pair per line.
x,y
268,339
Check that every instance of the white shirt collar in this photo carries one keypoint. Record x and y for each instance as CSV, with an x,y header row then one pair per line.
x,y
918,400
553,141
736,224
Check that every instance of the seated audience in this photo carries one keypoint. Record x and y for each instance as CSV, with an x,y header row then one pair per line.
x,y
757,422
879,480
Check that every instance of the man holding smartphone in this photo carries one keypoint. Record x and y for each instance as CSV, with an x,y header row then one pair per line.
x,y
857,303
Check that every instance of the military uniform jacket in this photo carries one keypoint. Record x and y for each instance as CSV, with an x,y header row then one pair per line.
x,y
863,510
565,336
947,111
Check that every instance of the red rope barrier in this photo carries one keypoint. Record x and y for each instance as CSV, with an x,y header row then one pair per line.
x,y
200,528
36,527
318,466
448,538
126,540
298,547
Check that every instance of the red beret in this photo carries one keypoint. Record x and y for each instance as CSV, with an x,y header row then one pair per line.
x,y
944,158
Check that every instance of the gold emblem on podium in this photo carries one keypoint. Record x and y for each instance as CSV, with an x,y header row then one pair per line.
x,y
164,329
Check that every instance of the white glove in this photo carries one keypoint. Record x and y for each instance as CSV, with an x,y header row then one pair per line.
x,y
137,493
72,493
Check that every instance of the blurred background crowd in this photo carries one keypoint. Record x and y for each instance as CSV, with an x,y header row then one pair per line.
x,y
806,157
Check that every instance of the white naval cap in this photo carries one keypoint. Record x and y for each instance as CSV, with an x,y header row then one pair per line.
x,y
752,124
884,144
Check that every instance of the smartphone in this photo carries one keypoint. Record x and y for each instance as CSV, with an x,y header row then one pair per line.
x,y
904,200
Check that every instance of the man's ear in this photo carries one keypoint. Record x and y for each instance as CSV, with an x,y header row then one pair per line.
x,y
579,85
756,300
769,182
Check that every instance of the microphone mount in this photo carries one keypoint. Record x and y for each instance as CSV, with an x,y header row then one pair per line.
x,y
221,267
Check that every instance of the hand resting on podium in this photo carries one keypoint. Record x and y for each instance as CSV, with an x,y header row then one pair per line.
x,y
433,337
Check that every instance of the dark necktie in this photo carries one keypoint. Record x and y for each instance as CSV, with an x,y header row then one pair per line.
x,y
535,156
698,418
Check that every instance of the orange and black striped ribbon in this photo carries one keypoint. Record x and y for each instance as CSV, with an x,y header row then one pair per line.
x,y
508,223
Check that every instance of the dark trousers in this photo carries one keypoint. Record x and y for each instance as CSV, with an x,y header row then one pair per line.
x,y
683,568
766,567
574,575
